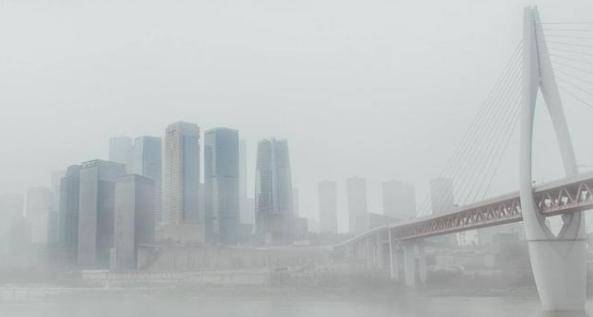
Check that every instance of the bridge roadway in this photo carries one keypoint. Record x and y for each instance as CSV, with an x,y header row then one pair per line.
x,y
399,249
555,198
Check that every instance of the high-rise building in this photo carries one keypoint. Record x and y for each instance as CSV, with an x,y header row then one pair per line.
x,y
134,218
274,218
68,214
221,175
301,228
399,200
53,218
296,202
182,174
328,207
11,216
120,151
11,206
441,195
37,212
147,162
358,218
96,212
247,207
242,178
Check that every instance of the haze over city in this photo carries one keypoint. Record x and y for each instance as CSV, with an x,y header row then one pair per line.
x,y
347,83
309,91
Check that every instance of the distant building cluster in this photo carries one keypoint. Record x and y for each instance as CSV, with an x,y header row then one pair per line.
x,y
189,187
97,214
398,201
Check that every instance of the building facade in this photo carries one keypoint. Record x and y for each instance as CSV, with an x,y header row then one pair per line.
x,y
358,219
53,233
68,214
399,200
182,174
221,176
246,203
121,151
328,206
11,218
37,213
274,218
134,219
96,212
148,163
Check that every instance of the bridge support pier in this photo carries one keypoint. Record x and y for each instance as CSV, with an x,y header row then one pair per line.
x,y
379,253
558,262
559,270
414,263
421,263
395,267
394,259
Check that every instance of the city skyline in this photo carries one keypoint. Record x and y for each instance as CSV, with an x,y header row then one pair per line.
x,y
308,158
372,83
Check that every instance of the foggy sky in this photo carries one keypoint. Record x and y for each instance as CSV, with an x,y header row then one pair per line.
x,y
379,89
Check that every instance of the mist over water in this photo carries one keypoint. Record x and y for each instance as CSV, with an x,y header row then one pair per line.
x,y
312,158
280,303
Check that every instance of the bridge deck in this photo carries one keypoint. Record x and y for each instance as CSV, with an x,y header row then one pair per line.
x,y
554,198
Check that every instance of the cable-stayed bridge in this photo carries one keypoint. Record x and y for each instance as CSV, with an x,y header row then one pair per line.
x,y
553,60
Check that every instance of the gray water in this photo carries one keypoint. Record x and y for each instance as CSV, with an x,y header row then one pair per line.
x,y
281,303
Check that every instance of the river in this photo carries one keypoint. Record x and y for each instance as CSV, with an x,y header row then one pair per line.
x,y
56,302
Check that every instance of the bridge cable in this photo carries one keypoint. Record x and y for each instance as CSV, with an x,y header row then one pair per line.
x,y
494,163
492,144
570,44
574,96
571,51
570,59
568,37
475,128
506,145
461,180
487,144
473,136
565,67
484,147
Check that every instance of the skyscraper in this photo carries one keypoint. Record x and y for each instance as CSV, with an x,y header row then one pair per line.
x,y
296,202
274,218
120,151
11,205
96,212
68,214
399,200
37,212
246,203
221,174
53,219
11,218
147,162
441,195
358,219
328,207
182,173
134,218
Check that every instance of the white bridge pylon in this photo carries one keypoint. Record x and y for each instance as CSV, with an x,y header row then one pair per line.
x,y
558,262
